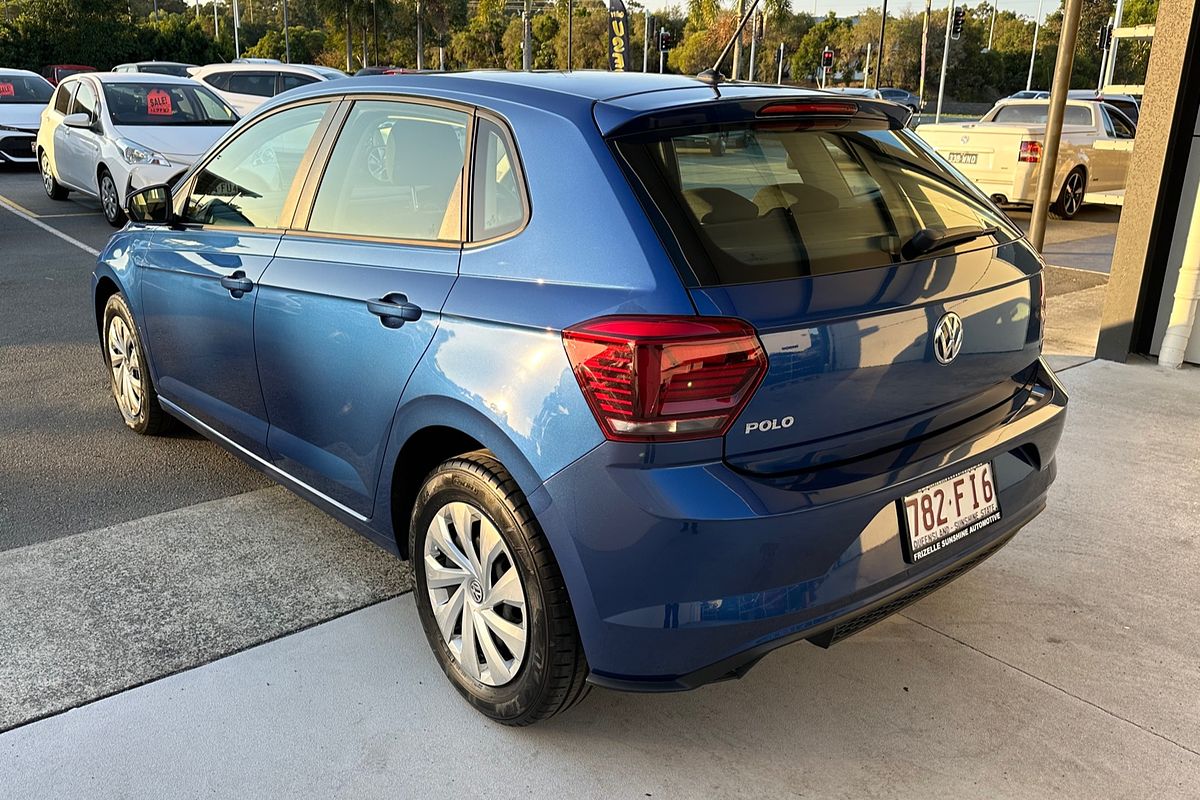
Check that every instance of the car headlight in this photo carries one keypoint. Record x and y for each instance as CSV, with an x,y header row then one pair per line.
x,y
134,153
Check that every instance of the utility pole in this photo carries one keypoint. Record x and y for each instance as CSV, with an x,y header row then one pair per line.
x,y
1037,23
879,55
570,30
924,53
945,60
420,36
287,41
1054,121
216,23
375,30
527,36
646,42
780,81
753,45
867,67
992,31
737,43
237,47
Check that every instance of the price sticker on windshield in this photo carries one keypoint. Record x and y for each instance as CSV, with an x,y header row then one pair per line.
x,y
7,90
158,103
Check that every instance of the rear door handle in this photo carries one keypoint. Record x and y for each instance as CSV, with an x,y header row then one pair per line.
x,y
237,283
393,309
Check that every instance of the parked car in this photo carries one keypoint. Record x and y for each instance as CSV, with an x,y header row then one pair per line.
x,y
57,72
735,404
1030,94
1126,104
1002,153
23,95
246,86
903,97
105,134
367,71
874,94
176,68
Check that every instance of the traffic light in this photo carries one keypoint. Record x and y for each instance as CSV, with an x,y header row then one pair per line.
x,y
960,18
665,40
1104,37
827,59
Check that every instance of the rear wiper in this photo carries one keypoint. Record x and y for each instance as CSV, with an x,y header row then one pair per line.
x,y
929,240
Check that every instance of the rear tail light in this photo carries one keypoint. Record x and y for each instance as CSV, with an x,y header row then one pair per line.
x,y
837,107
1031,152
653,379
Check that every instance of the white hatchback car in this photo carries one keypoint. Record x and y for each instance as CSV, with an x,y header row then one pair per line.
x,y
246,86
107,134
23,95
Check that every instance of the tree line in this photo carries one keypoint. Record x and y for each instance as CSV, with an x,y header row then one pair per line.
x,y
470,34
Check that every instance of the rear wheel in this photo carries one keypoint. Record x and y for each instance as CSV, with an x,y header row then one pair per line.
x,y
1070,196
490,595
110,200
54,190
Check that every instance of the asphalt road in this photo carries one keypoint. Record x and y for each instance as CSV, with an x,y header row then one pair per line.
x,y
69,463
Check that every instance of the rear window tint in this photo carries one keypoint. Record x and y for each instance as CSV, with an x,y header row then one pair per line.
x,y
769,203
1035,114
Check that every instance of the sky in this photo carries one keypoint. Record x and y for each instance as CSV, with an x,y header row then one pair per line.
x,y
846,8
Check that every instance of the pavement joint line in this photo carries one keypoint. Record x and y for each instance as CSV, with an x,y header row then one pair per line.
x,y
28,216
1073,366
1079,269
182,670
1051,685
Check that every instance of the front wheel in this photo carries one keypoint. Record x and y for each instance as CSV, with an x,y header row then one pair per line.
x,y
54,189
132,387
1070,196
110,200
490,595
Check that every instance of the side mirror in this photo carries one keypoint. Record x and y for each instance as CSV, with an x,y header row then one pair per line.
x,y
78,120
150,206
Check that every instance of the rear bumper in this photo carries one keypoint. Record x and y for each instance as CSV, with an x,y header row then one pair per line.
x,y
685,573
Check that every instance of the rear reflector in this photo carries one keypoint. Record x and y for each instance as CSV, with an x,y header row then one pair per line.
x,y
1031,152
653,379
809,107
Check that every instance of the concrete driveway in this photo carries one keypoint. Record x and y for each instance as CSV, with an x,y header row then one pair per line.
x,y
1066,666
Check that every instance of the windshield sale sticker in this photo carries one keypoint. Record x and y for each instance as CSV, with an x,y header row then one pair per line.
x,y
158,102
7,90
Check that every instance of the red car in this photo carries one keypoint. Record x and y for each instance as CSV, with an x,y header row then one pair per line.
x,y
56,72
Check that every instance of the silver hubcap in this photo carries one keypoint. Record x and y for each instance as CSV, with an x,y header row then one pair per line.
x,y
126,368
475,593
47,178
108,196
1073,193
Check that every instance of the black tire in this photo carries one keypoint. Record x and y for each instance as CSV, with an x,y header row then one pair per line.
x,y
147,418
54,189
552,674
110,199
1070,195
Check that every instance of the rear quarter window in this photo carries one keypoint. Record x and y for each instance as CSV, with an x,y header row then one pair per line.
x,y
1036,115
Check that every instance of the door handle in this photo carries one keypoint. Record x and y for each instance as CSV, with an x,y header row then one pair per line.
x,y
393,310
237,283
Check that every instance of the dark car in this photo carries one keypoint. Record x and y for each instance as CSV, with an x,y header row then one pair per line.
x,y
636,422
903,97
177,69
56,72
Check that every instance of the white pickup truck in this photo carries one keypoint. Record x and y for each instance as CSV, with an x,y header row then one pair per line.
x,y
1002,153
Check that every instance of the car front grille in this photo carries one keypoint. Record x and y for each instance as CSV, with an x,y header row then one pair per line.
x,y
17,146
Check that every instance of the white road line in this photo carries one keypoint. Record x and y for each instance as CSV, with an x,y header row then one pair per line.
x,y
11,206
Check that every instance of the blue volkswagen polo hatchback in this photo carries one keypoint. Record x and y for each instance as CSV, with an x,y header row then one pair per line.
x,y
646,377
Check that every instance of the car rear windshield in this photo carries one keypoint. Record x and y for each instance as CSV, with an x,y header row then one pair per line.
x,y
782,200
165,104
24,89
1035,114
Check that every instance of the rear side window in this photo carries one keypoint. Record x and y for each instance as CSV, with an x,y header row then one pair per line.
x,y
288,80
247,183
396,171
218,80
1035,114
62,99
261,84
499,203
781,201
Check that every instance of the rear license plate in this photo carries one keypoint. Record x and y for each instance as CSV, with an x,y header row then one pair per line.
x,y
962,158
949,510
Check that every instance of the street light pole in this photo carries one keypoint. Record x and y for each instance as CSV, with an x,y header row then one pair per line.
x,y
945,60
216,23
992,31
780,81
646,42
1037,23
237,47
924,52
570,30
287,41
737,43
879,54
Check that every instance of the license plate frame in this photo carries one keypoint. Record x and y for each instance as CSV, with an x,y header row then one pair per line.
x,y
967,159
963,495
